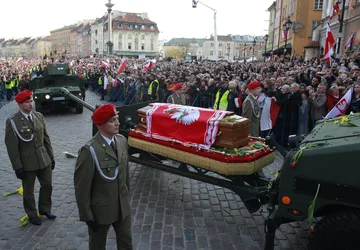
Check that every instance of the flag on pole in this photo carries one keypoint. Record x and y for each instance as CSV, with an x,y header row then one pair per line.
x,y
350,41
284,35
335,9
104,64
122,66
244,48
250,48
269,114
340,108
329,44
148,64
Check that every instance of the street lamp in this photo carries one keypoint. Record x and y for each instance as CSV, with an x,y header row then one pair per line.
x,y
194,4
253,48
266,37
286,27
110,44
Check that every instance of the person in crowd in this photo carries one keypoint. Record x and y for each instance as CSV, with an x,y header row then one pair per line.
x,y
317,101
354,105
251,109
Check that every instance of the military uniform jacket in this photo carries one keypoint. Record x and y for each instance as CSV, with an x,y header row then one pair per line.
x,y
99,199
33,154
251,111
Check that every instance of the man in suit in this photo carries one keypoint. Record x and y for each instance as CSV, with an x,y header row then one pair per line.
x,y
101,181
31,155
251,109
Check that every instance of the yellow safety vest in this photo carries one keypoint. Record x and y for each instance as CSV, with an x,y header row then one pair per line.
x,y
150,87
100,81
8,85
223,101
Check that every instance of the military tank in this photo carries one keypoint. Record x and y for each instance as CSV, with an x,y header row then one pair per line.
x,y
46,89
318,179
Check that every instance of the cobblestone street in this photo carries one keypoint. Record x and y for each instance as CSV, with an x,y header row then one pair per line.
x,y
184,215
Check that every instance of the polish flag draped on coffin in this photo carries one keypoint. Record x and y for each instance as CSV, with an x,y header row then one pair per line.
x,y
184,124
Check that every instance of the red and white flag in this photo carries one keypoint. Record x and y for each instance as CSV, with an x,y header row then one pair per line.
x,y
329,44
244,48
72,63
335,9
136,67
350,41
340,108
148,64
90,65
250,48
261,44
19,60
122,66
238,102
284,34
104,64
269,114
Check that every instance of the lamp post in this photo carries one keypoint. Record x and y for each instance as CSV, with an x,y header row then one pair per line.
x,y
287,27
194,4
228,50
266,37
110,44
244,49
253,49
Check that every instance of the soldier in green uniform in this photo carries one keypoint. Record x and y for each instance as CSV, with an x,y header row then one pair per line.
x,y
31,155
101,182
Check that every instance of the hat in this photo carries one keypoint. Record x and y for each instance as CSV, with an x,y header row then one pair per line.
x,y
355,67
225,79
103,113
178,86
253,85
23,96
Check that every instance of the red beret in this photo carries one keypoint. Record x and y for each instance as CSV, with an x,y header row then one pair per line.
x,y
178,86
103,113
23,96
253,85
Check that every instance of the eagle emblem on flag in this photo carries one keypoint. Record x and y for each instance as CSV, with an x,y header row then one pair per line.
x,y
183,115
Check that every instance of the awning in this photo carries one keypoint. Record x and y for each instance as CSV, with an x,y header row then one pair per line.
x,y
281,49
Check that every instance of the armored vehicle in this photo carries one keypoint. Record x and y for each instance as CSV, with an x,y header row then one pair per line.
x,y
318,179
46,88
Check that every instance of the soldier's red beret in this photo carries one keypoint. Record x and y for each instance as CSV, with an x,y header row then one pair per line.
x,y
178,86
253,85
103,113
23,96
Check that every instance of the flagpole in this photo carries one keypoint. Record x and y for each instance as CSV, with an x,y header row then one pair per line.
x,y
341,27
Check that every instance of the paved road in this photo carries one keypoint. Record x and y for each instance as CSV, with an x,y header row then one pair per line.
x,y
185,215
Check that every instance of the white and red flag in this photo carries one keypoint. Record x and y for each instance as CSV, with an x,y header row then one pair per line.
x,y
340,108
329,44
148,64
136,67
269,114
284,34
335,9
350,41
122,66
72,63
244,48
104,64
19,60
250,48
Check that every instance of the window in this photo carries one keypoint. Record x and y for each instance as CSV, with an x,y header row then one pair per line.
x,y
142,37
129,46
95,41
318,4
136,43
119,25
95,32
211,44
228,45
129,26
136,26
220,44
152,44
143,27
220,53
314,24
152,27
211,52
142,46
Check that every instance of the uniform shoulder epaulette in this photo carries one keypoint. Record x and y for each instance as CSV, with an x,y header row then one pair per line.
x,y
121,137
91,142
12,117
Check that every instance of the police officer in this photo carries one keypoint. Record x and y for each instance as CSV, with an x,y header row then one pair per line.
x,y
153,90
31,155
101,181
222,96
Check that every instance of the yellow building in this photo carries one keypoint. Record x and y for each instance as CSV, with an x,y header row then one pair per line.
x,y
304,17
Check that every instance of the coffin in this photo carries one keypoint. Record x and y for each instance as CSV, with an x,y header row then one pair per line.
x,y
232,132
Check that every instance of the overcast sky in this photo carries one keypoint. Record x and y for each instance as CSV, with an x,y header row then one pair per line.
x,y
175,18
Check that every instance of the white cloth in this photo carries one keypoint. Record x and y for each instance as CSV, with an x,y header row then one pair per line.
x,y
106,80
265,120
108,140
27,115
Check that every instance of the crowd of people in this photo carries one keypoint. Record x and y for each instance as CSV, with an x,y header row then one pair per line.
x,y
304,90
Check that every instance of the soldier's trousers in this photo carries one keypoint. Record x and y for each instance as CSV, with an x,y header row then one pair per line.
x,y
122,228
45,178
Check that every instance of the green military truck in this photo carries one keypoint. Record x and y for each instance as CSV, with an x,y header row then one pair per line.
x,y
46,89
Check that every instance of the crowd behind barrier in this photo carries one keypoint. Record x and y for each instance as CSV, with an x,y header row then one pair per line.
x,y
304,90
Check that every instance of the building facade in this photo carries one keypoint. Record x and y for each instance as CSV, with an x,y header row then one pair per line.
x,y
271,29
42,47
60,39
179,48
86,41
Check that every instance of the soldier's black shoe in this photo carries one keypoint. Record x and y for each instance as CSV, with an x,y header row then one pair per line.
x,y
36,221
49,215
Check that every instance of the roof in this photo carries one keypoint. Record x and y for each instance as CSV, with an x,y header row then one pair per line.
x,y
246,38
222,38
65,28
185,41
272,6
24,40
78,28
47,38
134,18
313,44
